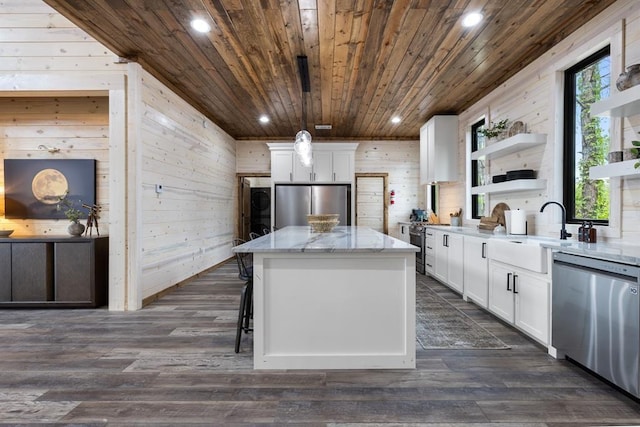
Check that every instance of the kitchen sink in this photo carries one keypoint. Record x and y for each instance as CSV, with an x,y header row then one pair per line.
x,y
525,252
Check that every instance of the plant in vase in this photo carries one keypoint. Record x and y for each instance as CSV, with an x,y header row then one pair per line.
x,y
495,130
636,152
72,214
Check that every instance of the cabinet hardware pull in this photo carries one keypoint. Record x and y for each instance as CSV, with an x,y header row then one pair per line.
x,y
310,176
484,249
515,276
334,177
508,281
290,176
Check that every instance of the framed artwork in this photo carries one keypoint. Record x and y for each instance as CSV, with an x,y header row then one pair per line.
x,y
33,187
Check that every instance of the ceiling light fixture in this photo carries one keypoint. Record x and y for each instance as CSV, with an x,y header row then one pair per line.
x,y
471,19
396,119
200,25
302,144
264,119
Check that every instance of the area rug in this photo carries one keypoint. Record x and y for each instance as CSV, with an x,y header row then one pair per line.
x,y
440,325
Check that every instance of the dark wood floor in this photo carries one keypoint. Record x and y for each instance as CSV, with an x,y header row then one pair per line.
x,y
173,363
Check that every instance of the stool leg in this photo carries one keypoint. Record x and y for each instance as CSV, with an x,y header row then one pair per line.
x,y
241,315
248,313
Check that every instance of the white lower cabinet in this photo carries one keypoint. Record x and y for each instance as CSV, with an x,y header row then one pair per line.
x,y
404,231
520,297
476,270
449,259
429,252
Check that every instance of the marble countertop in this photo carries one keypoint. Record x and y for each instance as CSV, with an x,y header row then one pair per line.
x,y
618,252
341,239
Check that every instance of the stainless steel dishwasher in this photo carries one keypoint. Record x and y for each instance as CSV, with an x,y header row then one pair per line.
x,y
596,316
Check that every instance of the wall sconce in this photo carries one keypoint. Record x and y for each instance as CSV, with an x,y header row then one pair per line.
x,y
51,150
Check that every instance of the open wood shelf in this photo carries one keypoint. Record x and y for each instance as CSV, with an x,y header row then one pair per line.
x,y
510,145
510,186
611,170
619,104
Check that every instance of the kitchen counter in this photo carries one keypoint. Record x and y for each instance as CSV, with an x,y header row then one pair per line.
x,y
617,252
343,239
339,300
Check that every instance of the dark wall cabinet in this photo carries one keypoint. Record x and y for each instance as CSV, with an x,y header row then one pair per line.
x,y
54,271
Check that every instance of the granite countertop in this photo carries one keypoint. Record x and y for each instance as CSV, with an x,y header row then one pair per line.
x,y
617,252
341,239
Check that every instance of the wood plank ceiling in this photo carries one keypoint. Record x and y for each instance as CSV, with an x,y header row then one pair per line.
x,y
369,60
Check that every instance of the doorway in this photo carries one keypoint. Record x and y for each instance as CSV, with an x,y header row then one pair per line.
x,y
372,201
254,204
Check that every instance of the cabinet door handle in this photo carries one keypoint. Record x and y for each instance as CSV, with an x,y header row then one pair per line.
x,y
310,176
447,236
402,230
515,276
484,249
314,176
290,176
509,281
334,177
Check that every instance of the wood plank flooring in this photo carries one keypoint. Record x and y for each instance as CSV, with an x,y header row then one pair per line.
x,y
172,363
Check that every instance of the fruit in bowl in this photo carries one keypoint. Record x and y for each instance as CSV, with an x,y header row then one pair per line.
x,y
323,223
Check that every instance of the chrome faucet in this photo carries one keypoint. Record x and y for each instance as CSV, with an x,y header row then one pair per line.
x,y
563,230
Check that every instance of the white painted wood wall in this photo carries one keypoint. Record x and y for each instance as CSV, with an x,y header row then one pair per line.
x,y
156,241
534,97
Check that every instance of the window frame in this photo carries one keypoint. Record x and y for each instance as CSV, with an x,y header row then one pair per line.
x,y
479,124
568,131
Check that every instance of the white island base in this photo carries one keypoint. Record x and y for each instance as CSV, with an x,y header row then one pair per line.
x,y
340,310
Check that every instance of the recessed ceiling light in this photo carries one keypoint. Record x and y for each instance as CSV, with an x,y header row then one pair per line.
x,y
200,25
396,119
264,119
471,19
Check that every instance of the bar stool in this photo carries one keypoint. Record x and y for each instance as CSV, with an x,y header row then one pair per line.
x,y
245,311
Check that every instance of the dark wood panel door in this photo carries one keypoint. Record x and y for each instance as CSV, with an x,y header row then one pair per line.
x,y
73,272
5,271
32,271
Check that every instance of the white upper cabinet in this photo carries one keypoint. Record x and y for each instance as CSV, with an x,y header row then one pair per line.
x,y
282,166
439,150
332,162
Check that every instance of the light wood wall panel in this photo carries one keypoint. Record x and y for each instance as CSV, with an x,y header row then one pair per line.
x,y
400,159
188,227
532,97
78,126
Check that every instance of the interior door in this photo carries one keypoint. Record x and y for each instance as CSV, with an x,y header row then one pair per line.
x,y
371,202
245,215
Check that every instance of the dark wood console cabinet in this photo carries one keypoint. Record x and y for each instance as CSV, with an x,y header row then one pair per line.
x,y
53,271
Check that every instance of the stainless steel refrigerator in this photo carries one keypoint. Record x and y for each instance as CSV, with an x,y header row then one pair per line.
x,y
294,202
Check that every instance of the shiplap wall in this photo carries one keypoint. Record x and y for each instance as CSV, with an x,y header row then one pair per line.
x,y
173,236
400,159
533,96
78,126
189,226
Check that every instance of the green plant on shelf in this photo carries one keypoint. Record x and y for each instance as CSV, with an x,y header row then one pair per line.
x,y
636,152
70,211
495,130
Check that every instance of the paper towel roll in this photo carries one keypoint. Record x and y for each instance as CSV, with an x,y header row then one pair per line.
x,y
518,222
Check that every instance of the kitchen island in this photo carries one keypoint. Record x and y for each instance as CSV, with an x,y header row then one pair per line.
x,y
338,300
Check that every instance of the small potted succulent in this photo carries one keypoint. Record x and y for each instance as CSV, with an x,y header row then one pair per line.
x,y
72,214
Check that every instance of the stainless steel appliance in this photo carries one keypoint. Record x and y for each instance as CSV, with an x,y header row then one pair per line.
x,y
417,238
596,316
294,202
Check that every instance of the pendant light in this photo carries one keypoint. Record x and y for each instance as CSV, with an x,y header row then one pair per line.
x,y
302,144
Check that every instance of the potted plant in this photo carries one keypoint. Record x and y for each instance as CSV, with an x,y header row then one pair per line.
x,y
72,214
636,152
495,130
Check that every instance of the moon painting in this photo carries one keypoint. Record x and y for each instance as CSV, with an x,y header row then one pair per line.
x,y
49,186
33,188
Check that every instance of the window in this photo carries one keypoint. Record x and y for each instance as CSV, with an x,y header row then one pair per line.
x,y
586,139
478,171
